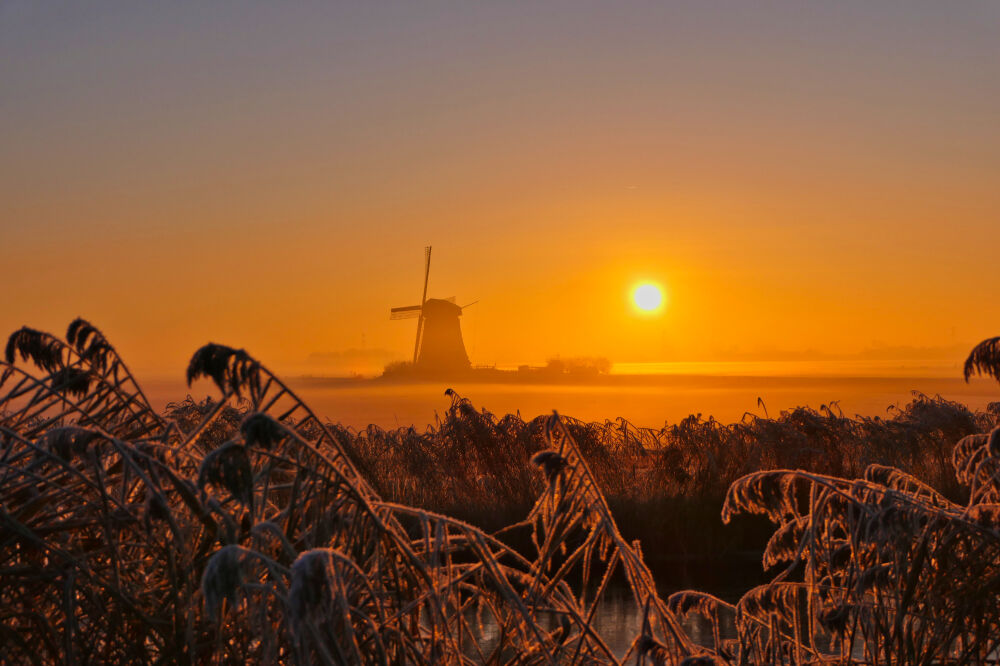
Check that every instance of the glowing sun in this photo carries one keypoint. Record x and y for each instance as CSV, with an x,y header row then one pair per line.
x,y
648,297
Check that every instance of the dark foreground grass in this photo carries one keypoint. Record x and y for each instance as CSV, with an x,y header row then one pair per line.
x,y
665,487
247,530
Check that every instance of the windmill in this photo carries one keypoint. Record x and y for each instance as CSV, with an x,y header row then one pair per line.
x,y
439,344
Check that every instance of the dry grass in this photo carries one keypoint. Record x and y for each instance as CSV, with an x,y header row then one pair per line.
x,y
665,486
129,537
881,569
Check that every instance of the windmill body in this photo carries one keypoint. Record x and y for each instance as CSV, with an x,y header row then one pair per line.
x,y
439,346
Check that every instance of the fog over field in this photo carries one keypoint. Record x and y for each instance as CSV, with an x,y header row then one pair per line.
x,y
645,400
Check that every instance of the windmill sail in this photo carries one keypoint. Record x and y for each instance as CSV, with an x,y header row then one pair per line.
x,y
407,312
423,300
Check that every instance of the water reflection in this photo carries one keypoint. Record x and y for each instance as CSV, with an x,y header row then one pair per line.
x,y
617,620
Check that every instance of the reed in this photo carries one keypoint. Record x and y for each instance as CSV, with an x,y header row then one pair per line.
x,y
245,529
664,485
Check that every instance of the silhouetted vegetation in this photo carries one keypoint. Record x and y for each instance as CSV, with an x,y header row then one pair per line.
x,y
577,365
561,370
245,529
665,486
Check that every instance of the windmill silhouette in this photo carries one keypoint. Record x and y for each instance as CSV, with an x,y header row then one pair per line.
x,y
439,344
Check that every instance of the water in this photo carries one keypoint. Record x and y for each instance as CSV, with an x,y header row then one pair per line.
x,y
618,621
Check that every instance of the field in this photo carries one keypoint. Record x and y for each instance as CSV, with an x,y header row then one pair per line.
x,y
243,528
643,400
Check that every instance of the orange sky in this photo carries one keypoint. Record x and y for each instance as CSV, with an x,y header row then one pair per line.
x,y
820,178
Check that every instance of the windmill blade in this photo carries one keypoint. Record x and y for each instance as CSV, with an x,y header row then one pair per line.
x,y
423,299
406,312
450,299
427,267
469,304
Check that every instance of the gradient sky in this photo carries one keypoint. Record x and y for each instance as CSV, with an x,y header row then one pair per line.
x,y
800,176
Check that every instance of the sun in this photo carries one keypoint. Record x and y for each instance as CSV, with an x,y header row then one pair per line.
x,y
648,297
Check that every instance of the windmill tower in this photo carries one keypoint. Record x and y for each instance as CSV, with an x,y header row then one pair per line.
x,y
439,344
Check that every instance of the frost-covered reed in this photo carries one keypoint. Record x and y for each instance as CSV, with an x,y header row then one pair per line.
x,y
245,529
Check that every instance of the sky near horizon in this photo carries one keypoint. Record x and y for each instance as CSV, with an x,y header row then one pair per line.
x,y
798,177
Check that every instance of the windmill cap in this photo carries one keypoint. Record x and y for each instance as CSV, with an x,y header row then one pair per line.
x,y
437,307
